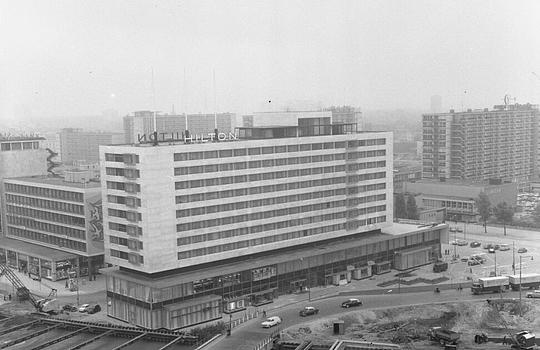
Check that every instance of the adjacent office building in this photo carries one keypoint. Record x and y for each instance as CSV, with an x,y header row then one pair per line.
x,y
201,227
52,227
459,197
79,145
482,144
142,123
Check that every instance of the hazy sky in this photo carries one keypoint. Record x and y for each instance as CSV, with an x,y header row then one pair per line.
x,y
61,58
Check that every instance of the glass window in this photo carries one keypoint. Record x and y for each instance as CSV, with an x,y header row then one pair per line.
x,y
240,166
316,146
255,164
240,152
195,155
292,148
254,151
210,154
306,147
268,150
280,149
224,153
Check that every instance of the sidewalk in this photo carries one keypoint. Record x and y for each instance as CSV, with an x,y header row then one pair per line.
x,y
43,288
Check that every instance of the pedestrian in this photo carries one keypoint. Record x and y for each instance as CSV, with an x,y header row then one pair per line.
x,y
264,313
67,285
9,297
470,269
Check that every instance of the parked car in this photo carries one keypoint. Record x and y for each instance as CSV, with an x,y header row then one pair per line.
x,y
453,229
70,308
473,262
271,322
522,250
464,258
496,247
92,309
454,242
84,307
535,294
487,245
475,244
504,247
459,229
461,242
308,311
491,250
351,302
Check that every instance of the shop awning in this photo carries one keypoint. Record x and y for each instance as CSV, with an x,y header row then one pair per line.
x,y
35,250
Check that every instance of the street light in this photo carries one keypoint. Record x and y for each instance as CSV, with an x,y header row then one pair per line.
x,y
520,258
399,273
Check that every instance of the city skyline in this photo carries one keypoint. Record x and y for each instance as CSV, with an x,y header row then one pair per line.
x,y
91,58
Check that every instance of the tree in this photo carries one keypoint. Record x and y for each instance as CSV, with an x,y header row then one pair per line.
x,y
412,210
400,210
536,215
504,214
483,205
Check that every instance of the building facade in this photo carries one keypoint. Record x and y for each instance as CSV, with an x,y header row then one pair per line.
x,y
142,123
459,197
79,145
52,227
480,145
200,228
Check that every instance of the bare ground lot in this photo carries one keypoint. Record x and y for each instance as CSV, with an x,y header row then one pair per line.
x,y
410,324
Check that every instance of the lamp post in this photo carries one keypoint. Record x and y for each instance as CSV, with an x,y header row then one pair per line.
x,y
520,258
399,274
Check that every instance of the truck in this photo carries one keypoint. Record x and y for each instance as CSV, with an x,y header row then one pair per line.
x,y
490,285
49,306
528,280
523,340
440,266
443,336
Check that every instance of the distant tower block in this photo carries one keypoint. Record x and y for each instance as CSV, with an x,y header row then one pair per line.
x,y
436,104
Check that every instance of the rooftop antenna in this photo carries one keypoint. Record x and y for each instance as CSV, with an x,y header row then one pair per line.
x,y
154,106
185,99
215,101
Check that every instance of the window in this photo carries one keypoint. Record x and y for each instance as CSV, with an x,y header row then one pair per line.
x,y
240,166
210,154
239,152
268,150
254,164
292,148
195,155
225,153
280,149
254,151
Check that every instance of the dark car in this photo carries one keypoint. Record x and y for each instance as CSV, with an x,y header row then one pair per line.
x,y
70,308
93,309
522,250
351,302
475,244
308,311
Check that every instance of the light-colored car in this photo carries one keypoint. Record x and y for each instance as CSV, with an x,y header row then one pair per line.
x,y
504,247
271,322
535,294
84,307
461,242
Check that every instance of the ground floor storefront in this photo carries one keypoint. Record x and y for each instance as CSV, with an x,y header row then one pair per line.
x,y
188,298
43,262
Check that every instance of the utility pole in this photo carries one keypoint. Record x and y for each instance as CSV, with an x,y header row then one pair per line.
x,y
514,258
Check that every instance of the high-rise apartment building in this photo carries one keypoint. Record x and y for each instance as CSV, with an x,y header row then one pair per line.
x,y
142,123
80,145
482,144
200,227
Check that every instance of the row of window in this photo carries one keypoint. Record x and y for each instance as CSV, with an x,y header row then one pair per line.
x,y
129,201
46,227
129,229
131,173
211,168
128,215
45,204
256,241
48,239
124,186
122,158
182,213
269,227
45,215
268,240
44,192
226,153
18,146
131,257
130,243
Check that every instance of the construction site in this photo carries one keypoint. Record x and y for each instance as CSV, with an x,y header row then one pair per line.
x,y
497,322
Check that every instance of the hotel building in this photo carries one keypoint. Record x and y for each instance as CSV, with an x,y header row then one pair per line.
x,y
196,229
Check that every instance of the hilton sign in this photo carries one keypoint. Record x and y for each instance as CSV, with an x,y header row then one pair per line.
x,y
185,137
